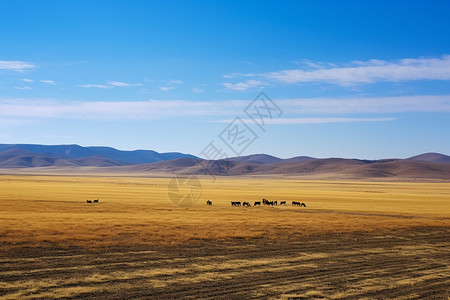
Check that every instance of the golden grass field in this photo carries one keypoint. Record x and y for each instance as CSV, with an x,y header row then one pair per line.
x,y
134,218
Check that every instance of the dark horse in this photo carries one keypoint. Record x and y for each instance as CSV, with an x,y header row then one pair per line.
x,y
208,203
246,204
257,203
88,201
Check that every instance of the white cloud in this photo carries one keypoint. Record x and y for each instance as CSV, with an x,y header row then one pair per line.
x,y
175,82
371,71
291,121
369,105
166,88
123,84
243,86
48,82
152,109
100,86
234,75
23,88
27,80
197,90
322,109
15,65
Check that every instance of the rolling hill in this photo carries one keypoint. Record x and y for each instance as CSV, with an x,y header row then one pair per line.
x,y
110,160
26,155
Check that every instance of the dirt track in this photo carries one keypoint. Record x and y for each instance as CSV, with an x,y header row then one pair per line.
x,y
405,264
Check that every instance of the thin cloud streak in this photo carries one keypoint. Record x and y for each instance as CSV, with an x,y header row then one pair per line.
x,y
243,86
48,82
293,121
355,72
100,86
15,65
123,84
402,104
156,109
369,72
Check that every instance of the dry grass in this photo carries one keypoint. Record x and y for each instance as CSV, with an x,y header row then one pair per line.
x,y
52,210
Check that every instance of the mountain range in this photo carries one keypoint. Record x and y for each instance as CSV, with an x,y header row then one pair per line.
x,y
21,156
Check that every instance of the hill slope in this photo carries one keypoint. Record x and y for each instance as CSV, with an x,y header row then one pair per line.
x,y
26,155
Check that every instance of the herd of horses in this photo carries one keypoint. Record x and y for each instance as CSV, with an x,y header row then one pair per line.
x,y
238,203
258,203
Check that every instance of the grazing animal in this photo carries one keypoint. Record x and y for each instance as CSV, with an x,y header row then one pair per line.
x,y
275,203
233,203
265,201
246,204
208,203
238,203
303,204
283,203
295,203
88,201
257,203
96,201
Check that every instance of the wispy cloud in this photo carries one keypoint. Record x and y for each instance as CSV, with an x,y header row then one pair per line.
x,y
197,90
166,88
292,121
109,85
371,71
100,86
23,88
15,65
152,109
243,86
123,84
175,82
234,75
48,82
365,105
27,80
297,109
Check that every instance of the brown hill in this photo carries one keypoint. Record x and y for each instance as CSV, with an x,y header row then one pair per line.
x,y
432,157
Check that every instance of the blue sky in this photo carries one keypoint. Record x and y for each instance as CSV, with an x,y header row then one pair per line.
x,y
351,78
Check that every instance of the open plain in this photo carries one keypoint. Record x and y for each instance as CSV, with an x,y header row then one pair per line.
x,y
354,239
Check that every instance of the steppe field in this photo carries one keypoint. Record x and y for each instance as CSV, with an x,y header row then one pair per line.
x,y
353,240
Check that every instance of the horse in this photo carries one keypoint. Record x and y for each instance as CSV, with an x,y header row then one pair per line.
x,y
283,203
303,204
275,203
257,203
246,204
208,203
96,201
88,201
238,203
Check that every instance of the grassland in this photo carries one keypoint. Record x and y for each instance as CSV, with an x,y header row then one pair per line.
x,y
353,240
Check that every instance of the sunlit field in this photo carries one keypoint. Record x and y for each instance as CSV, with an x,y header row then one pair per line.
x,y
135,219
47,210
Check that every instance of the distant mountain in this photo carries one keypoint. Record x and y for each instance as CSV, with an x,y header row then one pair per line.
x,y
32,156
424,166
432,157
268,159
329,168
256,158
